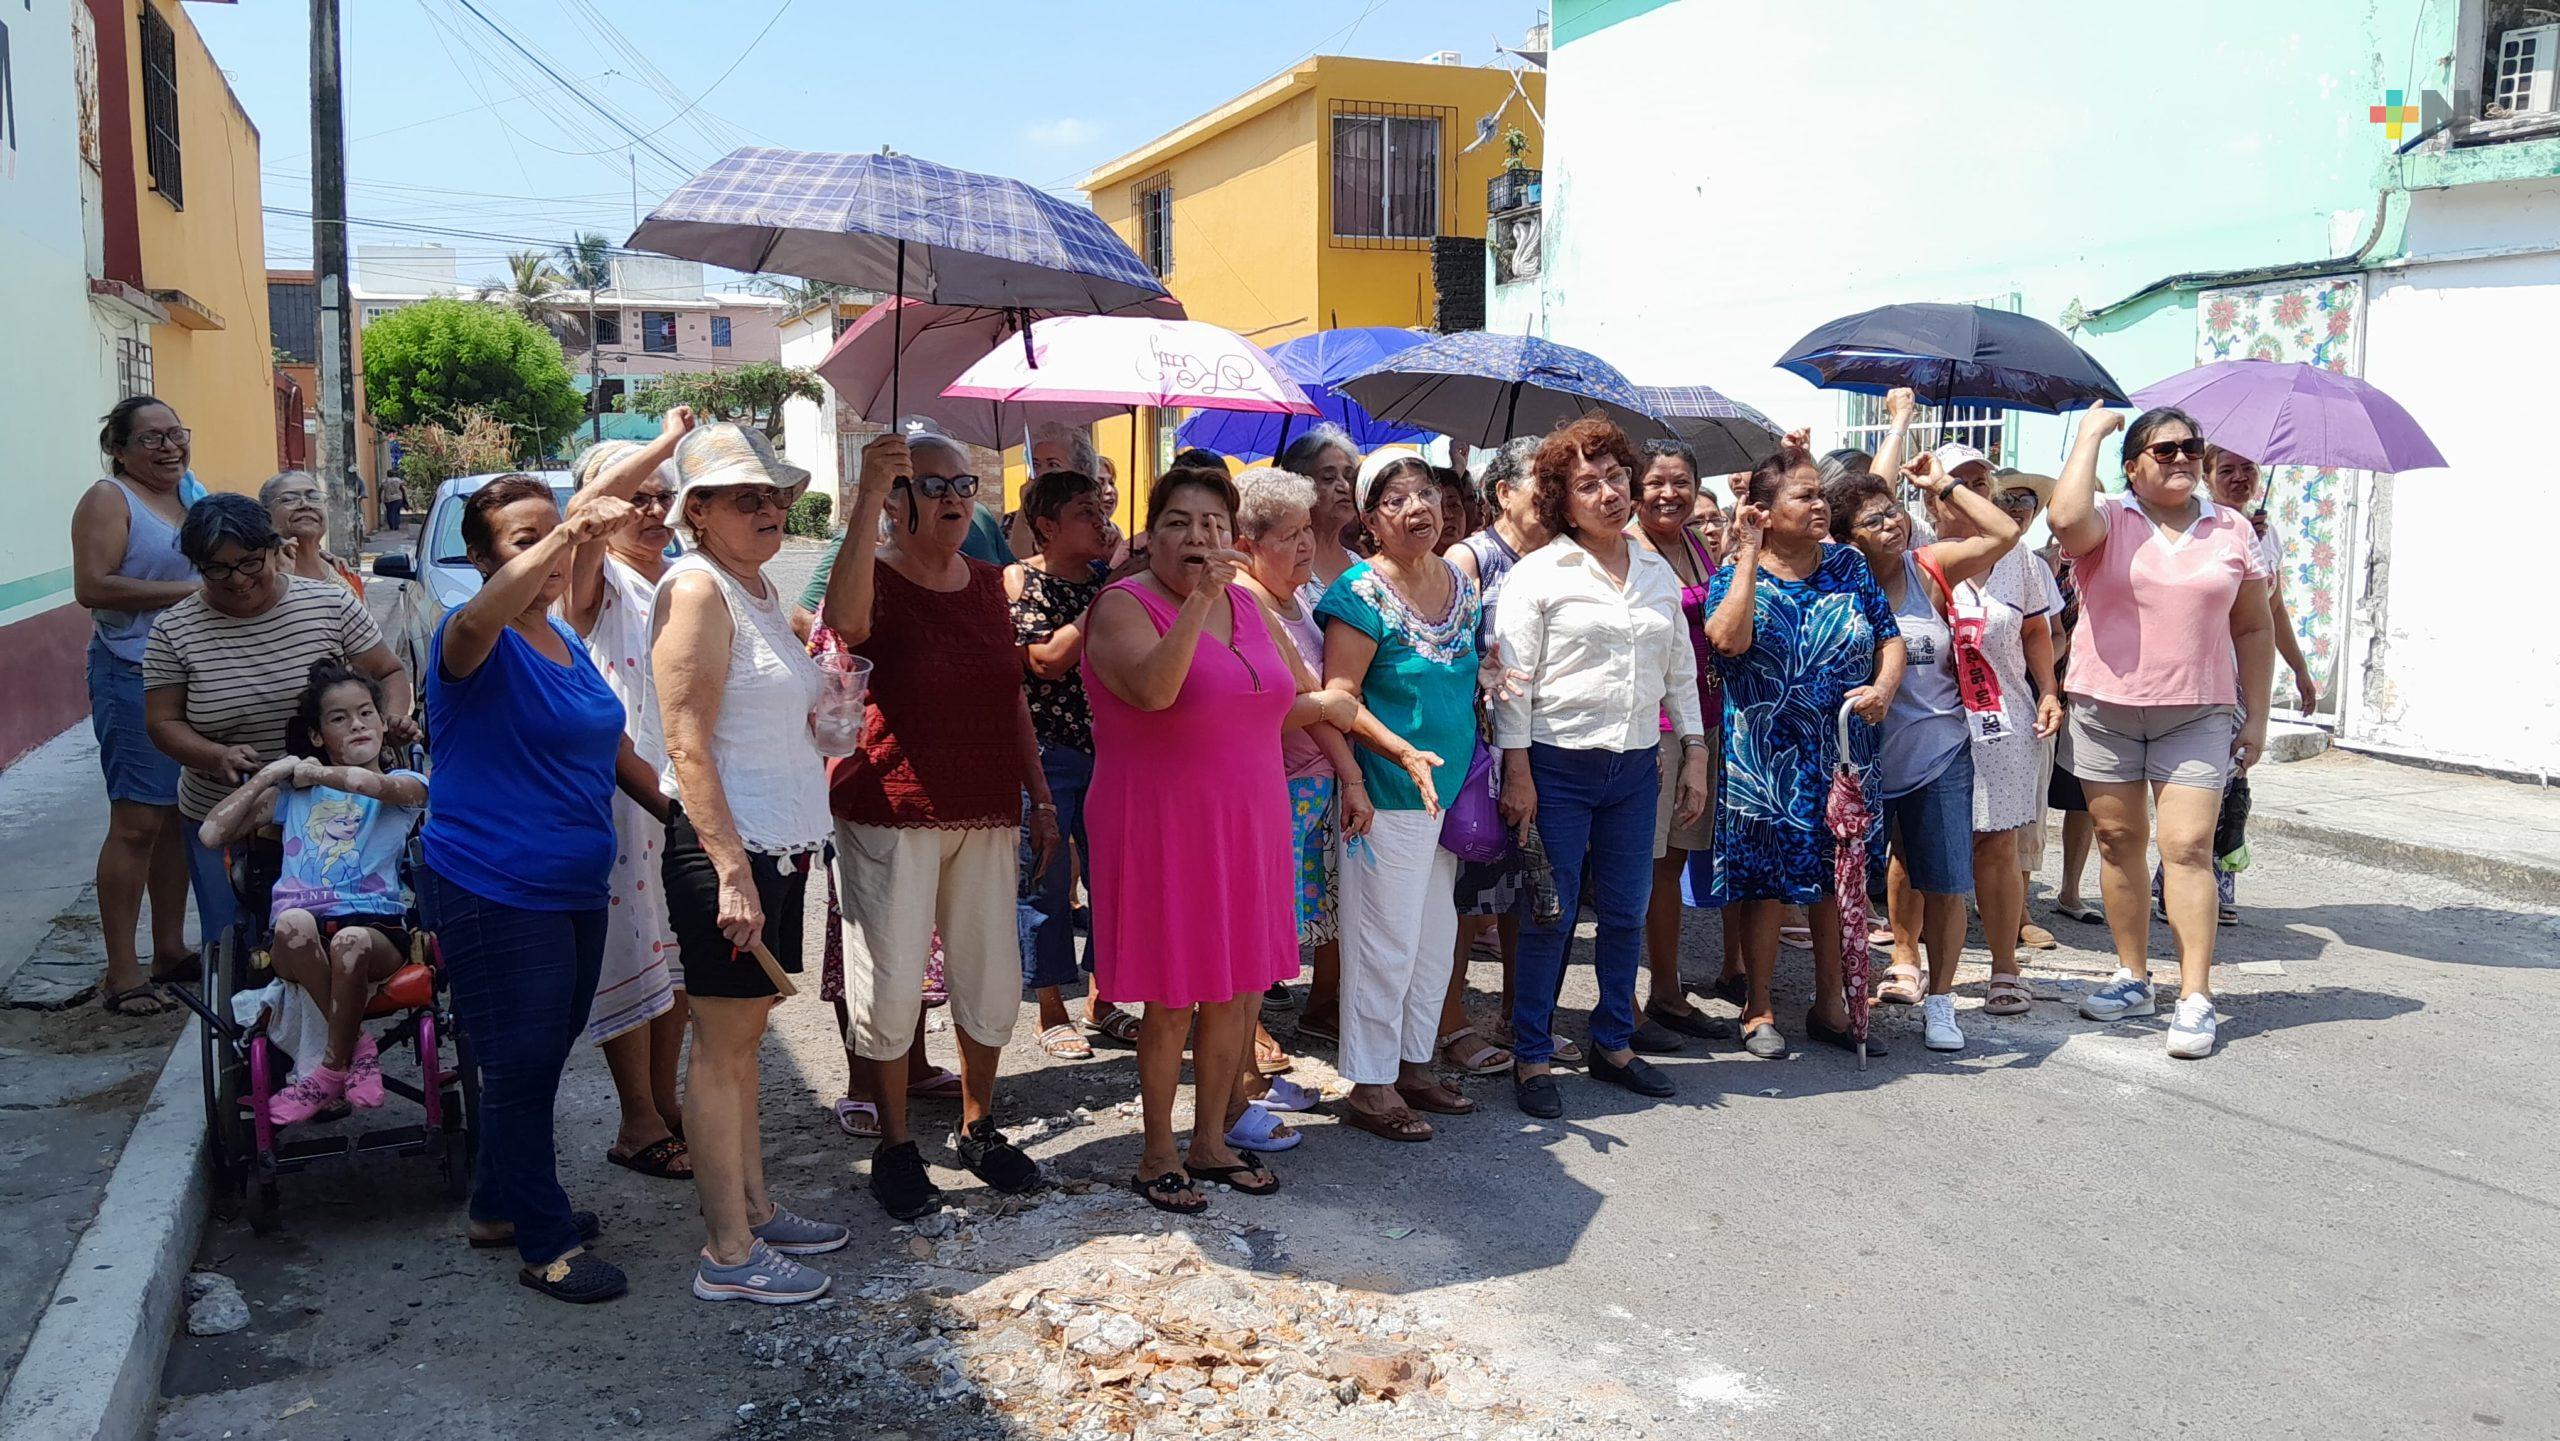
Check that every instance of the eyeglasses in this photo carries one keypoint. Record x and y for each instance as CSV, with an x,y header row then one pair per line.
x,y
1399,504
2017,500
2165,451
248,568
750,499
1877,520
652,499
299,497
163,439
935,487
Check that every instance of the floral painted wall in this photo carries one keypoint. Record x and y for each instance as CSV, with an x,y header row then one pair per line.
x,y
2316,322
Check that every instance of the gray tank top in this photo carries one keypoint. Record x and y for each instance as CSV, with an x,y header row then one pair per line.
x,y
150,553
1924,729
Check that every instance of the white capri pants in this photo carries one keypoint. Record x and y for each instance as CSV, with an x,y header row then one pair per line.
x,y
1399,923
897,886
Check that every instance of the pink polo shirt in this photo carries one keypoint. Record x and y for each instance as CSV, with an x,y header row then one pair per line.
x,y
2155,608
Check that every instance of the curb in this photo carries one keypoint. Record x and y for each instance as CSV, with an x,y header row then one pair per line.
x,y
2514,880
93,1366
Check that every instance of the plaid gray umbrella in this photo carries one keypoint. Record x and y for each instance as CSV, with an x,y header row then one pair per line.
x,y
899,225
1727,434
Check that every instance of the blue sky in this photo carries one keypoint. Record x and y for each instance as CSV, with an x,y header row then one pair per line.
x,y
449,127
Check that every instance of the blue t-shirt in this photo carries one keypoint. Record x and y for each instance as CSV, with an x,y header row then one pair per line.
x,y
342,852
1421,684
520,799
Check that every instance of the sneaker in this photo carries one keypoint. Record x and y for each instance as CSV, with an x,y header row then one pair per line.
x,y
899,1182
766,1277
305,1098
2124,995
799,1236
993,1159
1938,1029
2191,1034
364,1074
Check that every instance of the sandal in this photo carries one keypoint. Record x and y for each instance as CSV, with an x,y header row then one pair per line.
x,y
942,1085
1439,1100
2007,996
1564,1052
138,1001
1399,1124
1164,1192
1269,1058
1259,1130
2084,913
657,1159
1288,1095
1249,1179
577,1278
858,1119
1066,1043
2226,916
188,969
1481,1059
1118,1025
1901,986
1796,938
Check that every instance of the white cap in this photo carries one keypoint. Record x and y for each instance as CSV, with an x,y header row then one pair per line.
x,y
1954,454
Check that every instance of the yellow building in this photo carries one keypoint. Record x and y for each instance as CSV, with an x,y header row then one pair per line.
x,y
1314,201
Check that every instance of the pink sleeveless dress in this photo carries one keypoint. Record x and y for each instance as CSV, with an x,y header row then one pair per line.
x,y
1188,816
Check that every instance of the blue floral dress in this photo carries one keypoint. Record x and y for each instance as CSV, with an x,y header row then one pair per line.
x,y
1812,642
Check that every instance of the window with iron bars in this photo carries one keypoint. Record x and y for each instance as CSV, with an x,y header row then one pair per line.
x,y
1389,187
1152,198
160,107
133,365
1864,425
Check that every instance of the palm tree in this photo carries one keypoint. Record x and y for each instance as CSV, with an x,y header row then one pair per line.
x,y
531,289
586,263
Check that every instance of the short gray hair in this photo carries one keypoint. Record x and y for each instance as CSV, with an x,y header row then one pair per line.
x,y
1079,445
1513,464
934,440
276,483
1266,494
1303,454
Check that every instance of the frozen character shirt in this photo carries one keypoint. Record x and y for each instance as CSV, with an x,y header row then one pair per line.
x,y
342,852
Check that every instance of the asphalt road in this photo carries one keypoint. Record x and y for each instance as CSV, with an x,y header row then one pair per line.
x,y
2341,1226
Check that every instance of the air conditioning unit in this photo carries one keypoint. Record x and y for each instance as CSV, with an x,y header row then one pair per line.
x,y
1444,57
2527,59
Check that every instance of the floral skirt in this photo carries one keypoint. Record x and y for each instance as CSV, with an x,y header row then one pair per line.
x,y
1311,818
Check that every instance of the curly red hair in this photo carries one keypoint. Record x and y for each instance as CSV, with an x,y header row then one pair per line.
x,y
1590,438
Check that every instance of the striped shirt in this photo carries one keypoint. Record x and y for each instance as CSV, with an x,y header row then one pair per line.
x,y
243,674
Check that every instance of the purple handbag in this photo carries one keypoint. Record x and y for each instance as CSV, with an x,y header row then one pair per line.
x,y
1471,825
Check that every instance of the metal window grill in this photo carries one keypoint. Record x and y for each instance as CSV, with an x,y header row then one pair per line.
x,y
1984,427
658,332
720,331
1152,200
133,365
160,106
1390,189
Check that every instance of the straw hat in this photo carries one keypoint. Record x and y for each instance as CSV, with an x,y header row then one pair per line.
x,y
2006,479
723,456
596,459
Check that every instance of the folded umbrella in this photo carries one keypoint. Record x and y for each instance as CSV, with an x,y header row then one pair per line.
x,y
1317,362
1953,354
1727,434
2289,413
1851,820
1481,389
930,345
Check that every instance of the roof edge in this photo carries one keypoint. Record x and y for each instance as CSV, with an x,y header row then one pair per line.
x,y
1261,98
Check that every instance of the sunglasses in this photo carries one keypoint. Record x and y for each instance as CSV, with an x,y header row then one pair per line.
x,y
935,487
2165,451
752,499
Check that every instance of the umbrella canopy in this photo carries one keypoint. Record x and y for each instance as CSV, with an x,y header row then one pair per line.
x,y
930,345
1127,360
898,225
1317,362
1951,354
1482,389
2288,413
1727,434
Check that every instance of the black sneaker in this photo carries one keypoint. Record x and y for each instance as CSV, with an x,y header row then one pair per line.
x,y
899,1182
995,1160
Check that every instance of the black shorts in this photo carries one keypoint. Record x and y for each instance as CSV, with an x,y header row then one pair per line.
x,y
394,929
712,966
2063,792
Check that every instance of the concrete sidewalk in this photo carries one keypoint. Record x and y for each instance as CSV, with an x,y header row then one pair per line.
x,y
2498,835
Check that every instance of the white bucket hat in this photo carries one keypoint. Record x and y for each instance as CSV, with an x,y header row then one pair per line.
x,y
723,456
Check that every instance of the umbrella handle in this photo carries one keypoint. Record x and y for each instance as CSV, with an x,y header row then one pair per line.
x,y
1845,713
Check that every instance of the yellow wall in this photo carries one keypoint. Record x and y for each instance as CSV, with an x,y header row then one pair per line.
x,y
219,381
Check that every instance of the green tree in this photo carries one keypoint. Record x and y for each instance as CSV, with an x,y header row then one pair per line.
x,y
531,289
586,263
751,394
440,359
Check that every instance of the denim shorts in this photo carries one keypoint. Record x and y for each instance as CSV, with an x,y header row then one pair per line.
x,y
136,770
1932,830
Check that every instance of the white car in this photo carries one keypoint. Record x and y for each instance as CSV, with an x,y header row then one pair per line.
x,y
436,576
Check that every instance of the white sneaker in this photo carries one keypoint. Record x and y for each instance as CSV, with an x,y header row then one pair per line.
x,y
2191,1034
2125,994
1938,1029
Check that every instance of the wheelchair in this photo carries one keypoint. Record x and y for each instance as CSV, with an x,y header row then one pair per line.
x,y
243,1068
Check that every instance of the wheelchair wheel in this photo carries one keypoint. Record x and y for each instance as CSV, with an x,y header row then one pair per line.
x,y
228,1140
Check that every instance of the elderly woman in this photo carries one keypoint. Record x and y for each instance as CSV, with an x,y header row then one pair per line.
x,y
224,667
1400,636
735,692
299,507
1054,449
1326,456
639,1015
1049,594
1591,629
928,808
1800,630
518,849
126,567
2022,497
2168,687
1925,764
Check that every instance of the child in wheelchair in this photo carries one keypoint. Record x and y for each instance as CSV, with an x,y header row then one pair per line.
x,y
338,916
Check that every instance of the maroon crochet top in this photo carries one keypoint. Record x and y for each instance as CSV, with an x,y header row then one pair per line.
x,y
941,737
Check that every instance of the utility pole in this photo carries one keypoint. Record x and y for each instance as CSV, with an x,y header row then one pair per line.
x,y
595,375
337,461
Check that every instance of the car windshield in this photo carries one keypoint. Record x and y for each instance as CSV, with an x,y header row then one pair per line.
x,y
445,547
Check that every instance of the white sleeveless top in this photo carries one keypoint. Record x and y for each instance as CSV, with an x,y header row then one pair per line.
x,y
775,778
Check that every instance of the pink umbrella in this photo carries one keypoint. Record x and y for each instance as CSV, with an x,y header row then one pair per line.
x,y
1851,819
1125,361
930,345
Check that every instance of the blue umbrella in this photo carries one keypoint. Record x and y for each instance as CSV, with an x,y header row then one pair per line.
x,y
1952,354
1726,434
1317,362
1482,389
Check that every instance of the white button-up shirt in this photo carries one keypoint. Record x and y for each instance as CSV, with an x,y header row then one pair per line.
x,y
1604,660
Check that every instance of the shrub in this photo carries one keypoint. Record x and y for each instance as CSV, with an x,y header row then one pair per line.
x,y
810,516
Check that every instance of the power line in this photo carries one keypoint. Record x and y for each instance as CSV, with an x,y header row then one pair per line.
x,y
574,92
424,229
725,74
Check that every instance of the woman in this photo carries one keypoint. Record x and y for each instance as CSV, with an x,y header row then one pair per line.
x,y
518,850
1799,629
2173,596
1049,595
928,808
1666,500
1925,767
126,567
638,1020
1326,456
1592,623
748,820
223,667
1053,448
1400,637
1457,506
299,508
2022,496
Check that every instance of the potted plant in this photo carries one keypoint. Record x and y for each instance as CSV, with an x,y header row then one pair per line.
x,y
1517,186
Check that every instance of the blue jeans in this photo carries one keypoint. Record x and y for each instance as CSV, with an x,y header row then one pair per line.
x,y
1595,812
1045,916
216,906
523,982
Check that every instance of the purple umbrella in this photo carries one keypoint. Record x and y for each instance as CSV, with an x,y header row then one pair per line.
x,y
2288,413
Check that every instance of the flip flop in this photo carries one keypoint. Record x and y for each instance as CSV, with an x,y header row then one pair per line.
x,y
1066,1043
1399,1124
942,1085
1796,938
858,1119
1162,1191
1236,1177
656,1160
117,1002
1273,1061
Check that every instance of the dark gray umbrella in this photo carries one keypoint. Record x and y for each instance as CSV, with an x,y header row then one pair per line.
x,y
1952,354
1727,434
